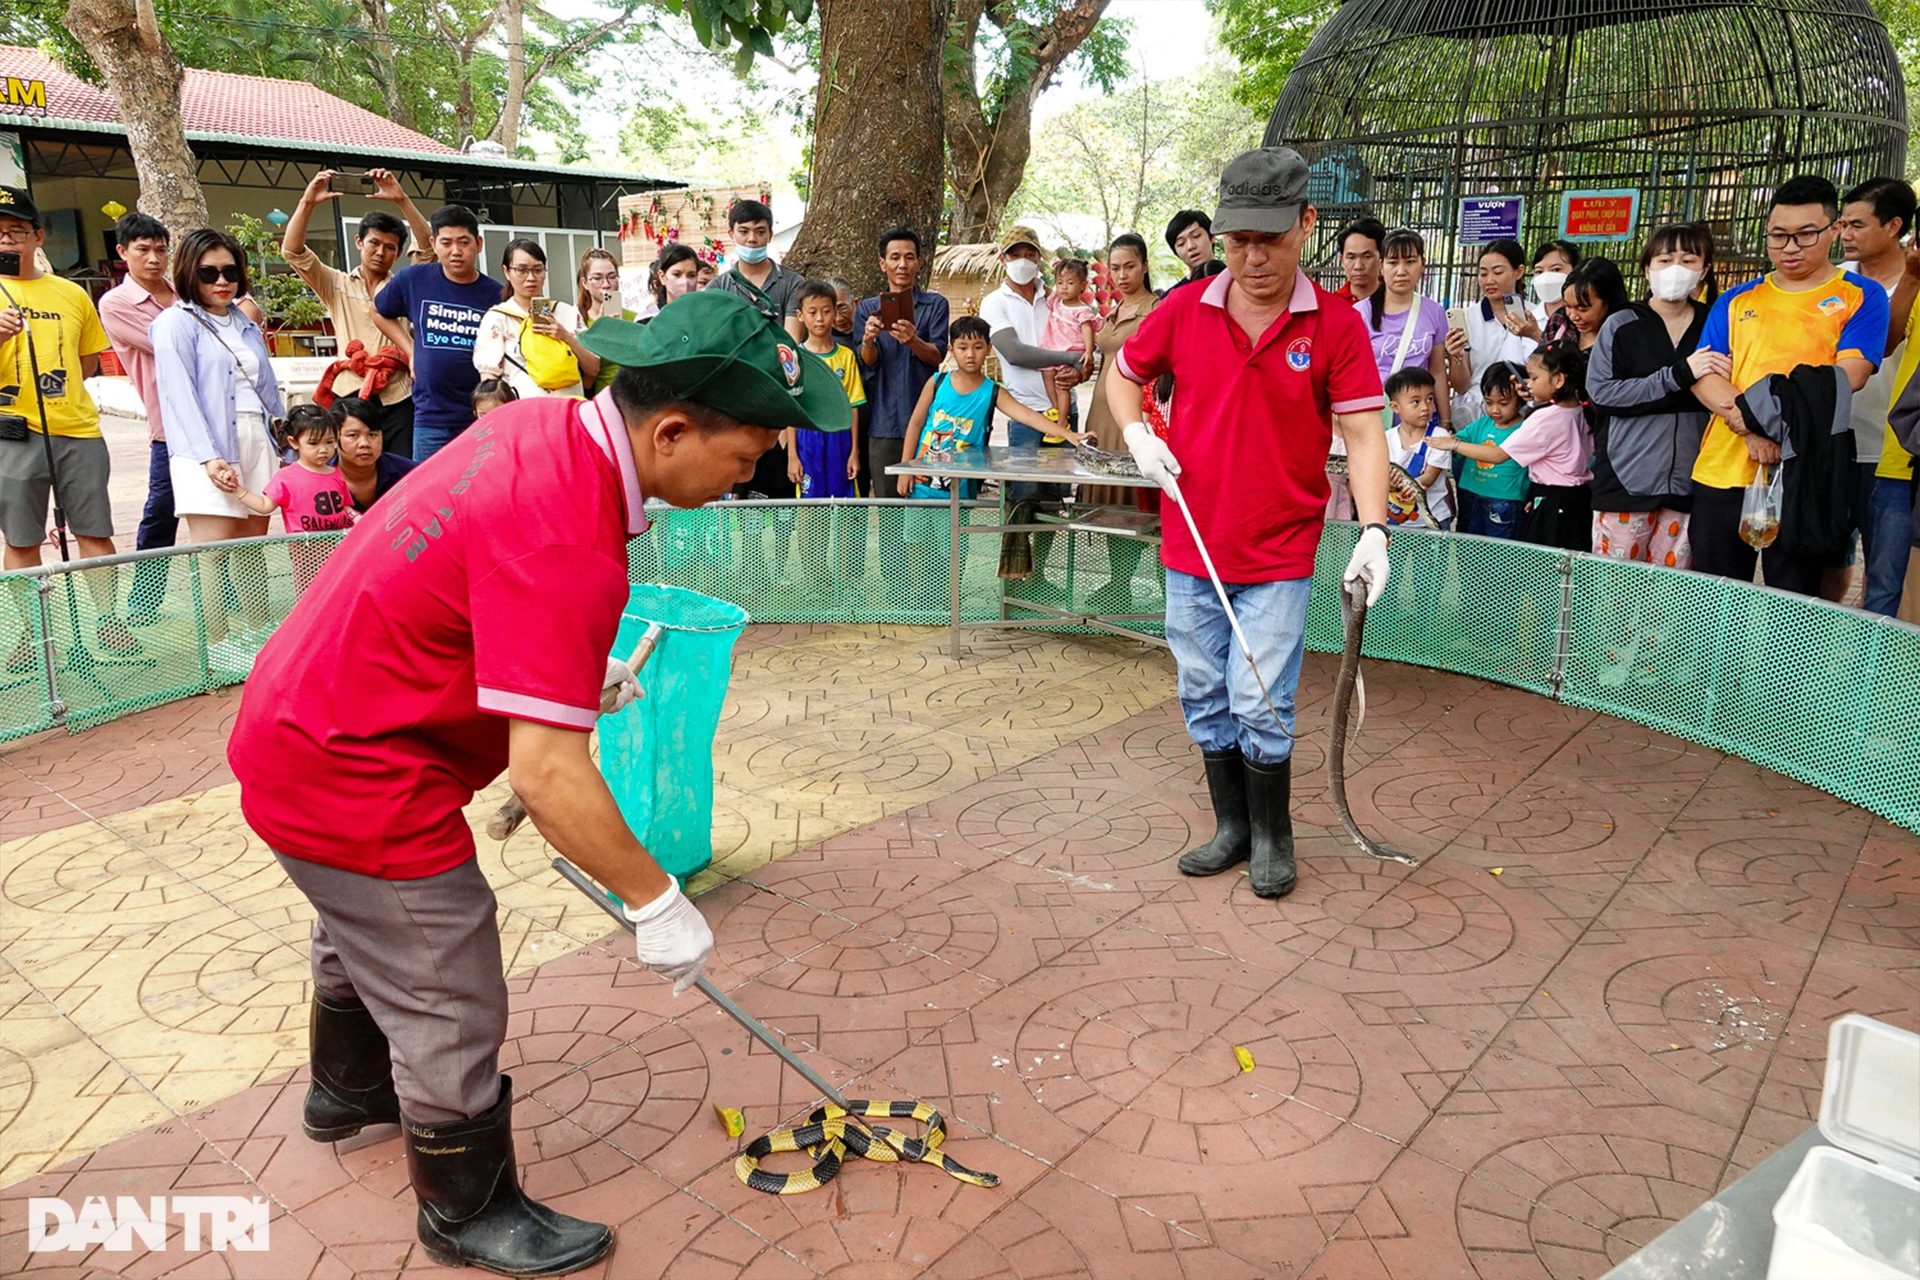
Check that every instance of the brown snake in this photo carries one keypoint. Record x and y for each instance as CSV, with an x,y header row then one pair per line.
x,y
1353,621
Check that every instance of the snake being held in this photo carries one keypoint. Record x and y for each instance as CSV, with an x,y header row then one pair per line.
x,y
1353,621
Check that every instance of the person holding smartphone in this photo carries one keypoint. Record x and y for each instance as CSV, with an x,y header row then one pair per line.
x,y
897,360
531,339
348,295
54,415
1497,328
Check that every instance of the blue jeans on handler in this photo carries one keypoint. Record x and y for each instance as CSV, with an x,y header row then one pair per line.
x,y
1885,537
1222,701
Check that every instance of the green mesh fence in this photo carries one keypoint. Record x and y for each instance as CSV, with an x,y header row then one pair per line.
x,y
1820,693
1823,694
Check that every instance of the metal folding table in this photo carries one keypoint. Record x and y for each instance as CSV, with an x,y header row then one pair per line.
x,y
1038,466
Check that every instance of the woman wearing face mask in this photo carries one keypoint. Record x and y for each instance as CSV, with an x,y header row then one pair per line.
x,y
1593,292
1553,262
676,273
1641,368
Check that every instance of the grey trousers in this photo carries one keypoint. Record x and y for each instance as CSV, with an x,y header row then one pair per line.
x,y
424,956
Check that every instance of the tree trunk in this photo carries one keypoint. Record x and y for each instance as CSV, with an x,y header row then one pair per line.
x,y
506,130
987,155
877,156
985,178
392,102
144,77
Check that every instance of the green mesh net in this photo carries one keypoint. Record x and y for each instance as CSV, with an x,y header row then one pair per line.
x,y
1824,694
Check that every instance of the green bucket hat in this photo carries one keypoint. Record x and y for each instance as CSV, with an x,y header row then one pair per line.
x,y
714,348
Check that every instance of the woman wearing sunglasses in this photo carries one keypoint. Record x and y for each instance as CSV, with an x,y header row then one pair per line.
x,y
218,398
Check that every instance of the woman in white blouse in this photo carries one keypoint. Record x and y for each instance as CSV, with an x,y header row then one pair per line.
x,y
1498,325
497,350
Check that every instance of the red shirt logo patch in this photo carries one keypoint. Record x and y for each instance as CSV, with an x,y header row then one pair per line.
x,y
1300,355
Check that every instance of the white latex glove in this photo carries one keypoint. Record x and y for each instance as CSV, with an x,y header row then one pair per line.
x,y
621,688
671,937
1368,565
1150,453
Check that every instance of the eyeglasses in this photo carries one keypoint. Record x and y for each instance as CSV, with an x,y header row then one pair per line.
x,y
231,273
608,278
533,269
1799,239
14,231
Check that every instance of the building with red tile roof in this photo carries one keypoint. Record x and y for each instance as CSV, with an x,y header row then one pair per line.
x,y
258,141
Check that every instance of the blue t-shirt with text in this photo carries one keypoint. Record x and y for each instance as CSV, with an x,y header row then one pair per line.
x,y
446,318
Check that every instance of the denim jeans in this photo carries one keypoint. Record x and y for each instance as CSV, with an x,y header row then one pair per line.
x,y
428,441
1886,533
158,528
1218,694
1489,517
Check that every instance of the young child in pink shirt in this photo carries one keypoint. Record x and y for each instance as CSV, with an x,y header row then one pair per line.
x,y
1071,325
1555,445
311,495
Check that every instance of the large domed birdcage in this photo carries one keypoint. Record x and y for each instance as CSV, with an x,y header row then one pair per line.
x,y
1404,107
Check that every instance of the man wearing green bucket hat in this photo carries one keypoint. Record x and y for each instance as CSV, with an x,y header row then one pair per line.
x,y
463,628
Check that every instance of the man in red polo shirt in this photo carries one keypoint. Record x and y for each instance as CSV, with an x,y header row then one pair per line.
x,y
461,629
1265,362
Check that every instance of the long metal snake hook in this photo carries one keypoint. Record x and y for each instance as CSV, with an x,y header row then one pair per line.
x,y
1353,618
1172,486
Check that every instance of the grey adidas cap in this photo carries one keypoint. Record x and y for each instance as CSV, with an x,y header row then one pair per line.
x,y
1263,191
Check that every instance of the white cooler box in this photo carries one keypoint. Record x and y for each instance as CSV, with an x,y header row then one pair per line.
x,y
1854,1214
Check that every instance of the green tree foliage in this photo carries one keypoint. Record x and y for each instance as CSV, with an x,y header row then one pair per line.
x,y
441,67
282,295
1128,162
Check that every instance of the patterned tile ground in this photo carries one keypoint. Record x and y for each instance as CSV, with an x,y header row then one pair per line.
x,y
1603,995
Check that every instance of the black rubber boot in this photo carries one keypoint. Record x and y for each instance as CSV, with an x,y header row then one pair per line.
x,y
1231,844
352,1071
1269,798
472,1210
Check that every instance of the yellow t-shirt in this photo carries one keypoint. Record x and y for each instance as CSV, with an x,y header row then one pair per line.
x,y
65,329
1895,462
1768,330
841,361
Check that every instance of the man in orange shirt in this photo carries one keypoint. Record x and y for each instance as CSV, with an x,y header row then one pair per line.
x,y
1805,311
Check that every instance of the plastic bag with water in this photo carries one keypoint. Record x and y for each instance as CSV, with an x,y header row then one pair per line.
x,y
657,754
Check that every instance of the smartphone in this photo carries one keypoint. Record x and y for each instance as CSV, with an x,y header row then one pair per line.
x,y
540,308
9,264
895,307
352,183
1456,317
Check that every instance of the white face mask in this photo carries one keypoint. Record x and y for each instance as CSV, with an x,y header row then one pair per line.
x,y
1022,270
1673,282
1547,285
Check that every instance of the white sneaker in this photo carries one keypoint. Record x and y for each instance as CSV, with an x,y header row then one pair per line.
x,y
230,656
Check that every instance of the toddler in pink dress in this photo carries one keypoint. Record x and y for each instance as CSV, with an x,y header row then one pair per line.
x,y
311,495
1071,324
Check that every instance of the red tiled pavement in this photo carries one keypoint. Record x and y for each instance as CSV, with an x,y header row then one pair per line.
x,y
1457,1072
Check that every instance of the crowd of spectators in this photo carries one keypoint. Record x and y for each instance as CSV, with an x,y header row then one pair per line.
x,y
1625,412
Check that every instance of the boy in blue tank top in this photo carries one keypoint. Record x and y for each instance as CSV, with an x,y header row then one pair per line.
x,y
954,414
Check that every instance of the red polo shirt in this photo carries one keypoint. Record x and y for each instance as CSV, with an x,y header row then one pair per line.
x,y
486,585
1252,422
